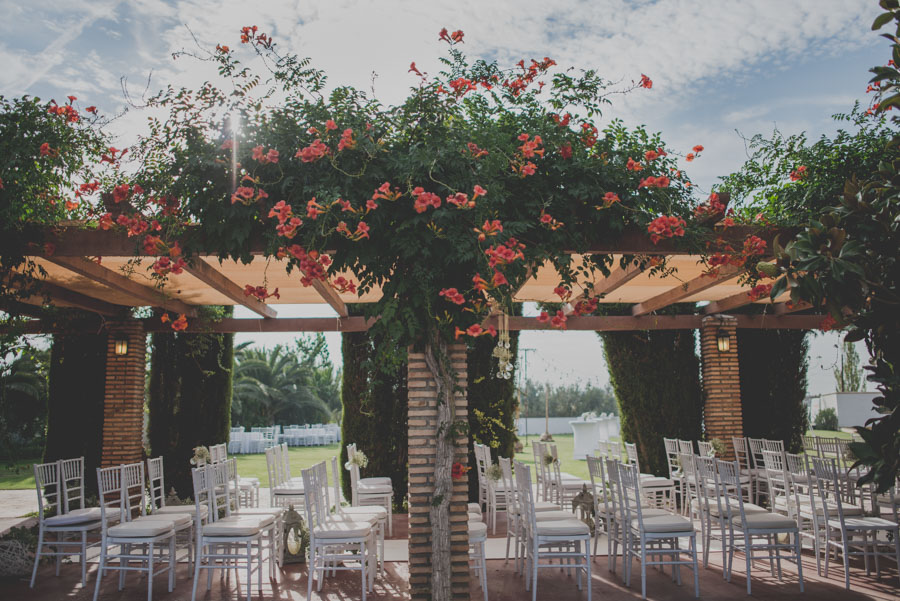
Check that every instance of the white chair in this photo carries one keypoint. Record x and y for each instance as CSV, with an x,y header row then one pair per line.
x,y
675,473
656,488
150,536
756,531
378,491
335,544
563,539
599,489
477,538
224,542
742,455
654,536
851,535
760,484
351,513
481,472
67,520
282,492
157,502
705,449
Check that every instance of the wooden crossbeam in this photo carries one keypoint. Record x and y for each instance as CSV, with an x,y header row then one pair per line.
x,y
217,280
618,277
687,289
726,304
142,294
75,299
331,297
787,307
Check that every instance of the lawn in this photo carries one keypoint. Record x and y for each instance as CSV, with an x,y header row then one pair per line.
x,y
19,475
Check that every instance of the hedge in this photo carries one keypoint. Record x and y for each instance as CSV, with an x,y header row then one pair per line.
x,y
189,399
375,409
75,403
773,366
656,377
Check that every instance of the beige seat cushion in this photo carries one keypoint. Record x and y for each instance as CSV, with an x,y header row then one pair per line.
x,y
652,512
368,510
276,512
664,523
806,506
76,516
374,489
477,531
766,520
262,520
178,520
189,509
288,489
379,481
141,529
474,517
748,508
568,527
474,508
864,523
540,506
656,482
554,516
233,526
342,529
251,480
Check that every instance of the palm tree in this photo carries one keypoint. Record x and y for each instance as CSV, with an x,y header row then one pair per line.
x,y
272,385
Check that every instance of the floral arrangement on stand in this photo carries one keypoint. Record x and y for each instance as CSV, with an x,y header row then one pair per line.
x,y
201,456
357,458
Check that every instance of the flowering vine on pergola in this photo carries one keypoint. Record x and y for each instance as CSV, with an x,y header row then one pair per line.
x,y
446,204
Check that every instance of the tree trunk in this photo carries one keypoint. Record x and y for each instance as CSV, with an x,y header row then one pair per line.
x,y
438,361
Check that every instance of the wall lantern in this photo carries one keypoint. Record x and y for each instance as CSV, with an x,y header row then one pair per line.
x,y
723,340
121,345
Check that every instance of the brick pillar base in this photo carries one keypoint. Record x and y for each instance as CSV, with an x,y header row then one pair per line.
x,y
422,434
123,401
721,381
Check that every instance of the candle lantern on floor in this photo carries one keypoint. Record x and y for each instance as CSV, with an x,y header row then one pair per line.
x,y
296,537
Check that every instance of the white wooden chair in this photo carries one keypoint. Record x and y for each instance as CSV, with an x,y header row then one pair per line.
x,y
563,539
282,491
335,544
760,484
477,531
224,542
656,488
752,531
742,455
154,538
675,473
378,491
656,536
852,535
350,513
54,498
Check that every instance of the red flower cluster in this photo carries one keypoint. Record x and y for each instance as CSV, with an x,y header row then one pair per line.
x,y
287,222
503,254
565,151
475,331
828,323
461,201
476,152
562,292
529,74
713,206
652,155
425,199
164,265
314,209
458,471
453,295
490,228
263,158
110,155
248,35
754,245
646,82
530,148
549,221
247,195
665,227
589,134
260,292
760,291
347,140
562,122
609,199
451,38
46,151
633,165
313,152
798,173
135,225
557,321
178,325
586,307
384,192
654,182
67,110
312,264
342,284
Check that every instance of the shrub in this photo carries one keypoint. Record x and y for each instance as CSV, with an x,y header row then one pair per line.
x,y
826,419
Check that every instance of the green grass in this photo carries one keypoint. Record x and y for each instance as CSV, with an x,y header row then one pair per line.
x,y
16,475
300,458
829,434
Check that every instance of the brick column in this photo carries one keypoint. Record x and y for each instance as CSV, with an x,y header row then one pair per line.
x,y
422,434
721,381
123,400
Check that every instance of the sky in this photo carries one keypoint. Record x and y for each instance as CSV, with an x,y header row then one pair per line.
x,y
720,69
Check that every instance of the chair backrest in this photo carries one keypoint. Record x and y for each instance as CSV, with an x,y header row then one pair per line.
x,y
218,453
322,489
671,445
233,483
708,486
809,445
285,462
223,497
133,490
741,452
311,500
202,479
688,467
614,491
705,448
336,483
509,482
271,469
354,469
109,488
278,454
773,445
756,448
630,485
71,480
730,479
602,448
685,447
46,480
526,495
631,455
156,483
480,464
540,451
828,484
615,450
776,474
598,484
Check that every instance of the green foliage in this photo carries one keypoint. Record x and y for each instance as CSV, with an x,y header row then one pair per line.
x,y
190,392
75,402
23,404
492,401
773,366
826,419
569,400
283,385
848,376
375,408
656,377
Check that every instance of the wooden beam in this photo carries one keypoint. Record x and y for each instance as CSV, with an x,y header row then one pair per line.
x,y
783,322
79,301
76,241
144,295
618,277
685,290
726,304
331,297
788,307
217,280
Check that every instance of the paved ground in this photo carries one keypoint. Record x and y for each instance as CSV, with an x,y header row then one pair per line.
x,y
13,505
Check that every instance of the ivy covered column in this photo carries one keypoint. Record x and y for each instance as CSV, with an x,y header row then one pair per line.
x,y
721,380
427,540
123,400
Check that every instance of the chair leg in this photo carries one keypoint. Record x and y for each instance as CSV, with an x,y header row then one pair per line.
x,y
149,573
37,555
799,548
100,569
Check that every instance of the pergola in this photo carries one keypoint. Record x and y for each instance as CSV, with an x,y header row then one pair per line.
x,y
100,272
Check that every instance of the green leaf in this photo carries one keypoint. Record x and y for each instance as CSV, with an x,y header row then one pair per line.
x,y
880,20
